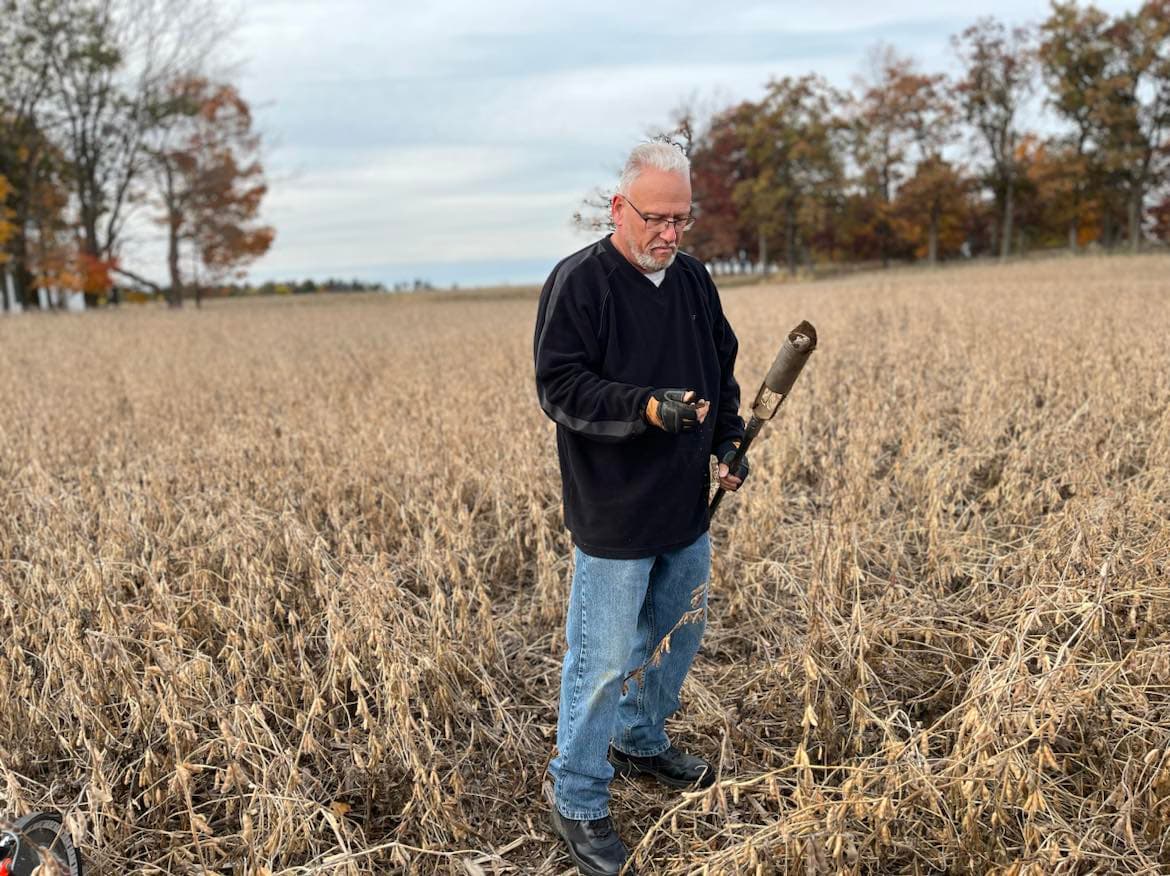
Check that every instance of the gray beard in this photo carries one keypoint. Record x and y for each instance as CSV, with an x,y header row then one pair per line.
x,y
648,263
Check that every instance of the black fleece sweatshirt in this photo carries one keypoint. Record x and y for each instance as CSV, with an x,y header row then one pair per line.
x,y
606,338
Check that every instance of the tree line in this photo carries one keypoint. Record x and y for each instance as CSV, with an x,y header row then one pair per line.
x,y
914,165
107,109
306,287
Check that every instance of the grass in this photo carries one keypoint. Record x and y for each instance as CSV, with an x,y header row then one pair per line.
x,y
282,588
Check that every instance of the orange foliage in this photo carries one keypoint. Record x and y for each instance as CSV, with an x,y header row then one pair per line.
x,y
1054,185
94,273
6,228
217,180
56,267
937,192
51,242
56,264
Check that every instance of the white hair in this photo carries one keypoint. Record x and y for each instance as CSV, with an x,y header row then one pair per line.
x,y
656,154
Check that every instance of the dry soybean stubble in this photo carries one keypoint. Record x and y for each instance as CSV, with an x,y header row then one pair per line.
x,y
271,604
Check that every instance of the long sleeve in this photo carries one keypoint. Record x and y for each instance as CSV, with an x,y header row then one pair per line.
x,y
606,335
729,426
567,352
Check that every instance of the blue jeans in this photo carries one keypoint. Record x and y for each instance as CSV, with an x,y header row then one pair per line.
x,y
618,611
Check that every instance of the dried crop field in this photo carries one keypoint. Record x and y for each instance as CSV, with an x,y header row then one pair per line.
x,y
282,586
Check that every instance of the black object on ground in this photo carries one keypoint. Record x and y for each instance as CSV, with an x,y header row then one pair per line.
x,y
35,839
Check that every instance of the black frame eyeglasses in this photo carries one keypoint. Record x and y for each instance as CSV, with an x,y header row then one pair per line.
x,y
658,224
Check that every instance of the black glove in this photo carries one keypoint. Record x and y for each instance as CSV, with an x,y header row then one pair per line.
x,y
673,410
741,471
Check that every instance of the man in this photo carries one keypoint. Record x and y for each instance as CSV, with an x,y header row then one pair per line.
x,y
634,362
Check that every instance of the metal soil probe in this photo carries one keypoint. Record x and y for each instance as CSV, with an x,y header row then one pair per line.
x,y
797,347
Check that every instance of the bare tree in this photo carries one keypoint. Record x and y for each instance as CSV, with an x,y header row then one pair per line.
x,y
111,62
682,131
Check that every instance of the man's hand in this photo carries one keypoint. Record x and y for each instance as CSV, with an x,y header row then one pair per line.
x,y
676,410
727,479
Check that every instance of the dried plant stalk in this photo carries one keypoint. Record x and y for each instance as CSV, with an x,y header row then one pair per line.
x,y
270,604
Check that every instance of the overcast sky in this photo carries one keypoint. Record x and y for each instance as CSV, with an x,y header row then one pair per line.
x,y
453,140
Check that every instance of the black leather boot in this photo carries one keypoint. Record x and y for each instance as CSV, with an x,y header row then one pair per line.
x,y
594,846
672,767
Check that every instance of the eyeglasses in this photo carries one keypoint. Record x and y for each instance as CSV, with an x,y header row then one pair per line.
x,y
658,224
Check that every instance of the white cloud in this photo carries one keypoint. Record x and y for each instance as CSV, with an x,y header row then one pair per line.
x,y
454,131
410,205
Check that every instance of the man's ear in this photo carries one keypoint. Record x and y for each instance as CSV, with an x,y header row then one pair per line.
x,y
614,213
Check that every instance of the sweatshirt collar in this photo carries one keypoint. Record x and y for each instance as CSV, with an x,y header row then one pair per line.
x,y
623,264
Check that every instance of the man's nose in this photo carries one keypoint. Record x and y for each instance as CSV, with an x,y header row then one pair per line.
x,y
669,233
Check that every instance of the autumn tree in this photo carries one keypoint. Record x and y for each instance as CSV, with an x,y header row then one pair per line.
x,y
997,76
27,155
53,256
938,190
39,209
1047,203
109,62
793,139
1074,54
719,163
6,231
1134,108
901,123
1161,216
880,136
210,182
932,210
